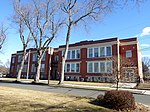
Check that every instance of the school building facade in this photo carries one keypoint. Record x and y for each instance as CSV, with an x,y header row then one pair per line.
x,y
86,61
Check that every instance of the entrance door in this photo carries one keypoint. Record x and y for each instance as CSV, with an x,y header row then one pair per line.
x,y
129,75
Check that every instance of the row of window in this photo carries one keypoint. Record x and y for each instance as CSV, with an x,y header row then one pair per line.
x,y
72,67
72,54
33,68
99,67
34,58
104,51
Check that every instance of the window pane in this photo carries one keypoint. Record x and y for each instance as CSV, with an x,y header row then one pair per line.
x,y
128,53
90,67
109,67
102,51
13,59
95,52
96,66
44,56
73,54
77,67
33,68
77,54
108,51
68,67
90,52
19,58
68,55
102,67
42,68
24,68
34,57
18,66
63,52
72,67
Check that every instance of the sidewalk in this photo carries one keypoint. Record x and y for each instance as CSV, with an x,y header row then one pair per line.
x,y
83,85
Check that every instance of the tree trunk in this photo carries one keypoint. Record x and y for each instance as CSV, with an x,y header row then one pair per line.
x,y
37,77
38,66
65,55
21,66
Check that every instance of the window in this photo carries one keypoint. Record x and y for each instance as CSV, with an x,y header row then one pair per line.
x,y
109,67
56,58
129,54
108,51
63,52
68,67
24,68
77,67
102,67
90,67
44,57
99,67
90,52
12,68
102,51
33,68
72,67
13,60
96,53
68,55
34,57
96,67
18,66
19,58
42,68
77,54
73,54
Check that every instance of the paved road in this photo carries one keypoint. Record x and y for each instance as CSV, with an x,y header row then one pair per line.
x,y
145,99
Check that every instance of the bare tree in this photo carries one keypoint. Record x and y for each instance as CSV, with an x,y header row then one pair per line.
x,y
77,11
3,35
81,11
120,65
40,17
24,35
146,63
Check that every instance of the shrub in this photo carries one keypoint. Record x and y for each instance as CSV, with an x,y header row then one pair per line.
x,y
119,100
100,99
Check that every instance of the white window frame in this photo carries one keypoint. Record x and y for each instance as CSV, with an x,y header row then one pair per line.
x,y
75,63
106,51
99,54
99,68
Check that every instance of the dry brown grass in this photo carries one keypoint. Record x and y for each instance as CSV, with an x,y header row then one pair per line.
x,y
19,100
144,86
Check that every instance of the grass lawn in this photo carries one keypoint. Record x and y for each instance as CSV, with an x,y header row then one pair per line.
x,y
20,100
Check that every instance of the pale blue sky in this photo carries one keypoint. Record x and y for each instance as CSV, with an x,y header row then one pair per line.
x,y
122,23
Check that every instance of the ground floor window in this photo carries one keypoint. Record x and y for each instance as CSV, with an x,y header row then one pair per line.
x,y
99,67
73,67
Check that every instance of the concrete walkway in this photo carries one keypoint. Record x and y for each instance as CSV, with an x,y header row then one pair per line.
x,y
127,86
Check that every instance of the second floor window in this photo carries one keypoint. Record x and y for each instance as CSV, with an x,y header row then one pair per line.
x,y
13,60
34,56
72,54
103,51
19,58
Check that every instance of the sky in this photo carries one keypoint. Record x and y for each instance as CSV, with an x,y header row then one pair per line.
x,y
125,22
